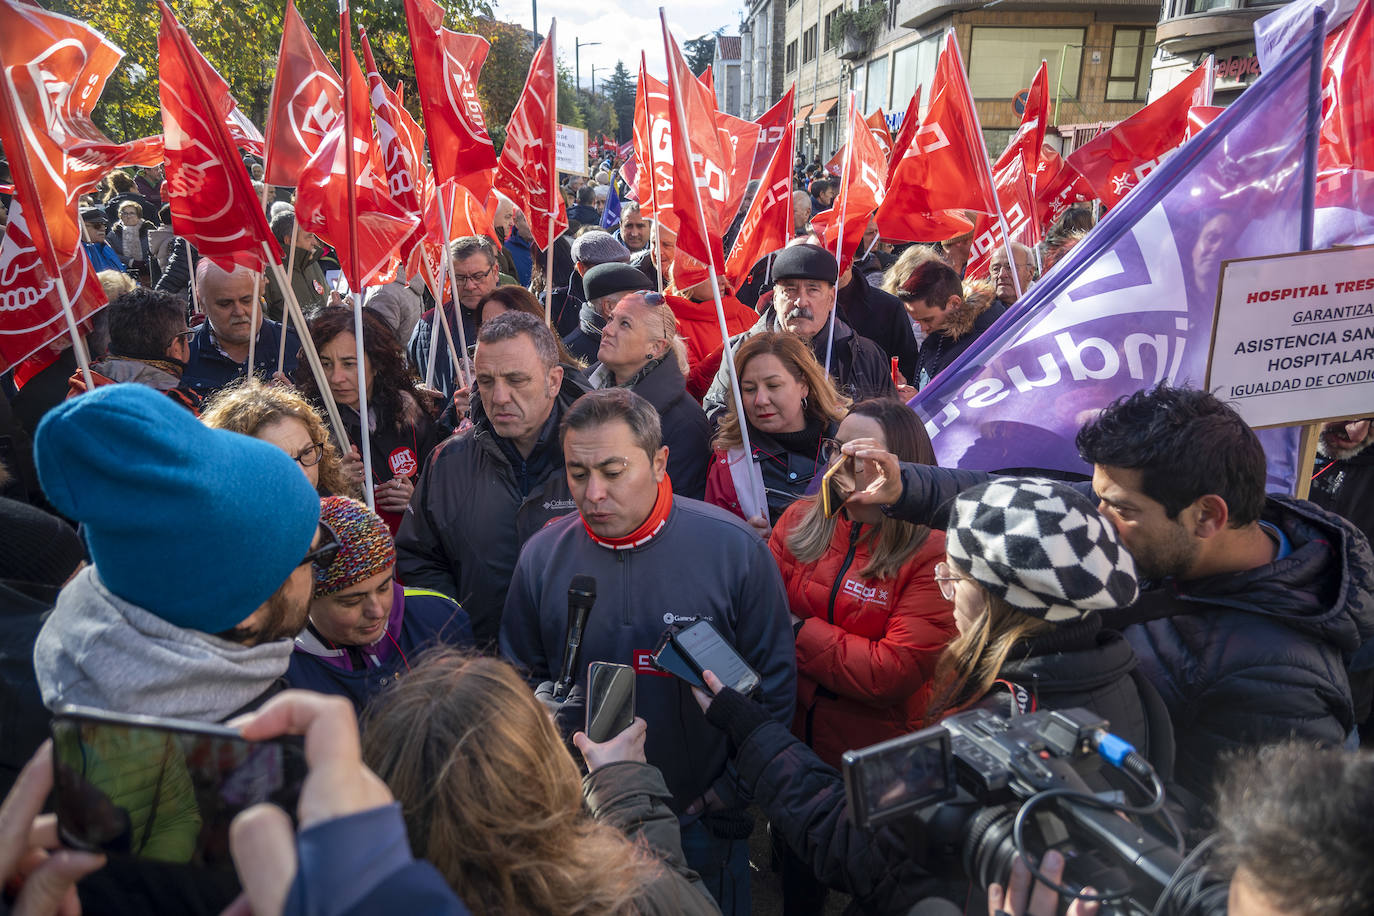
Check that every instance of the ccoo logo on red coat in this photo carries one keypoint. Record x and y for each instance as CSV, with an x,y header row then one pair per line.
x,y
403,462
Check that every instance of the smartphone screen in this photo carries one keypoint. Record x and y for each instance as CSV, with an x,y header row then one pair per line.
x,y
706,650
837,485
610,700
164,790
668,658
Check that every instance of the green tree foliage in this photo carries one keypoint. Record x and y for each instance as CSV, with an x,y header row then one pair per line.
x,y
503,75
701,51
240,39
598,114
620,89
569,105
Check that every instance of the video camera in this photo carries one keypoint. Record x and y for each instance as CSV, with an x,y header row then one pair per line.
x,y
978,789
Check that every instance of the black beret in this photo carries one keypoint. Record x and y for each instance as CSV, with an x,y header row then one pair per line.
x,y
94,215
614,277
805,262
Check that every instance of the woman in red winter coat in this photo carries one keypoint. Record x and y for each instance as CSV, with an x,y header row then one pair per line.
x,y
870,621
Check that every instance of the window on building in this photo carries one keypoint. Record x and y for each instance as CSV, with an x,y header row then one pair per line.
x,y
875,96
791,57
1202,6
808,45
858,81
1004,60
912,66
825,27
1128,80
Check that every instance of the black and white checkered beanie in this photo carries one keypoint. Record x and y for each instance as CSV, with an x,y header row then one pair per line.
x,y
1041,547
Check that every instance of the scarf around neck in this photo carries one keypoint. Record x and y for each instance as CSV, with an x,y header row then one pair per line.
x,y
658,517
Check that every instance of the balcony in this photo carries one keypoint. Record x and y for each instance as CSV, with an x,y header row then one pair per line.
x,y
916,14
1194,25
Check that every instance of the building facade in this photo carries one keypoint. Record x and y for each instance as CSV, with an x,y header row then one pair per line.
x,y
761,52
725,67
1190,30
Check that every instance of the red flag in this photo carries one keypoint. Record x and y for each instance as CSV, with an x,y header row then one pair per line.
x,y
767,224
1199,116
877,122
323,196
1057,186
861,190
699,164
774,124
528,171
307,100
1014,175
653,145
1347,137
738,140
835,166
403,161
1116,160
447,66
911,120
211,195
946,165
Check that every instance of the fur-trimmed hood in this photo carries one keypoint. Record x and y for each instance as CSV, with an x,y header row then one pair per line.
x,y
979,296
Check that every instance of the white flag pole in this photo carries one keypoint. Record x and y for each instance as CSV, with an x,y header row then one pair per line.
x,y
290,272
839,233
728,351
459,374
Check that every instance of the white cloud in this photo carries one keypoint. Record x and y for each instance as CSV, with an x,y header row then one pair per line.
x,y
623,28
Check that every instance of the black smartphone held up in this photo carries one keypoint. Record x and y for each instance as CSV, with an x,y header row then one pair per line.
x,y
667,658
163,789
703,649
610,700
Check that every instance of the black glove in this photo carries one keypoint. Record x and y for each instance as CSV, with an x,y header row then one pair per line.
x,y
736,715
569,714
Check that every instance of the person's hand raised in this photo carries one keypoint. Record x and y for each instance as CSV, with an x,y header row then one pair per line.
x,y
885,488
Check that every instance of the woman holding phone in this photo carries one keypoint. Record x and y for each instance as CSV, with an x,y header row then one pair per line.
x,y
869,618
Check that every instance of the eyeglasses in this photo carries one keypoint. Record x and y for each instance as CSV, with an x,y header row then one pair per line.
x,y
185,335
465,279
945,578
324,555
1000,269
830,449
310,456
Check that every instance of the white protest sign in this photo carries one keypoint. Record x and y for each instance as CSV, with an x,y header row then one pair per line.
x,y
1293,340
572,150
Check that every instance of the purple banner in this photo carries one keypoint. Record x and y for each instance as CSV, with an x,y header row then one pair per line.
x,y
1132,304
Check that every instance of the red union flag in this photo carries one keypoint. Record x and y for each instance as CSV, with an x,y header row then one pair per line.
x,y
773,125
946,166
322,198
404,163
861,190
1116,160
877,123
307,100
528,172
209,191
738,140
699,164
447,66
768,222
1057,187
653,145
911,120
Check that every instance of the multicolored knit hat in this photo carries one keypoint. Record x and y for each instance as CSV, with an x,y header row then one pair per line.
x,y
365,545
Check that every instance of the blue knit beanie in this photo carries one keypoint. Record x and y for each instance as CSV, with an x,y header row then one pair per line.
x,y
199,526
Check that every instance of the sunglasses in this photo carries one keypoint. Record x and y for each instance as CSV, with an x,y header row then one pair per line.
x,y
324,555
652,297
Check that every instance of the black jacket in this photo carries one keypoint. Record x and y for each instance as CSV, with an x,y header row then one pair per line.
x,y
418,349
585,340
879,316
209,370
858,366
686,431
474,509
1242,659
181,267
940,349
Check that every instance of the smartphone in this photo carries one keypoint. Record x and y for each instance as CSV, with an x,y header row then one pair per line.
x,y
834,491
703,649
610,700
667,658
163,789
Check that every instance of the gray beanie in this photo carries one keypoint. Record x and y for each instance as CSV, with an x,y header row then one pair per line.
x,y
597,247
1042,547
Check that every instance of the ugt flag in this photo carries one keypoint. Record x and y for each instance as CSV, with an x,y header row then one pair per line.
x,y
610,217
1132,304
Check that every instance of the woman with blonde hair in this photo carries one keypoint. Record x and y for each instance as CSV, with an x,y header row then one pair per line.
x,y
493,800
790,406
281,416
642,351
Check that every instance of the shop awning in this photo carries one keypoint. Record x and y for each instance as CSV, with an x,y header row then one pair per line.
x,y
822,111
802,113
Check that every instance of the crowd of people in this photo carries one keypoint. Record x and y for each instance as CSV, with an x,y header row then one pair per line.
x,y
194,534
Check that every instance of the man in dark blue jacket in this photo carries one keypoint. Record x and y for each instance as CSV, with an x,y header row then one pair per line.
x,y
219,351
364,627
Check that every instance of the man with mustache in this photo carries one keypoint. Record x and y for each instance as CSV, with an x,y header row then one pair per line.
x,y
219,351
804,279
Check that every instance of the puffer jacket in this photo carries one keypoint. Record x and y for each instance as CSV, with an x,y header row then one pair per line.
x,y
632,797
867,648
1242,659
473,510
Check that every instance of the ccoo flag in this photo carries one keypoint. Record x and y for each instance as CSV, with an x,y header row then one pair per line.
x,y
1132,304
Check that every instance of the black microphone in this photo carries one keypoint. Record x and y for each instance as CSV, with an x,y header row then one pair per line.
x,y
581,597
